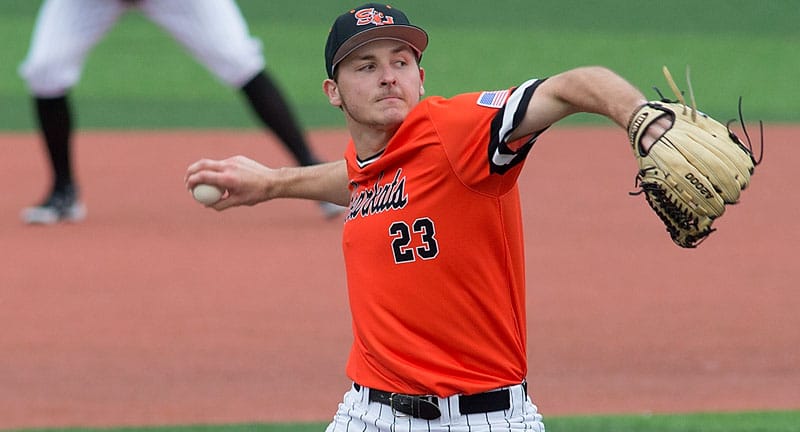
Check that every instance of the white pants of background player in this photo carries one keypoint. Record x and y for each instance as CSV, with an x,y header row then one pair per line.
x,y
213,31
357,414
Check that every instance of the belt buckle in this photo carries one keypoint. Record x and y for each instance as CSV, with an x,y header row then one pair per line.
x,y
395,412
422,407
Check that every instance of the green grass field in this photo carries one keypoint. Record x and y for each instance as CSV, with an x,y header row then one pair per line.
x,y
139,78
705,422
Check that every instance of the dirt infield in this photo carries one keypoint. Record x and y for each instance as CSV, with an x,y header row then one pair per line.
x,y
157,311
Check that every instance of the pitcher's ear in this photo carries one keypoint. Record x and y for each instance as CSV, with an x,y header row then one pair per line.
x,y
331,90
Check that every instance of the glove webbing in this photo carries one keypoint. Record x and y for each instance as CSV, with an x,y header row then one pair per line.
x,y
676,217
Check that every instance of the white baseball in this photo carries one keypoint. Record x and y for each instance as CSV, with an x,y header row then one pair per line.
x,y
206,194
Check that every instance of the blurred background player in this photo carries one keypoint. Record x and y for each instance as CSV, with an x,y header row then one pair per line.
x,y
213,31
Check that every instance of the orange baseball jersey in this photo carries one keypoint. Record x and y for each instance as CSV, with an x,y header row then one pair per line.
x,y
433,247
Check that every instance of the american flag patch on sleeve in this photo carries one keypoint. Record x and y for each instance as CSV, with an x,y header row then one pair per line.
x,y
493,99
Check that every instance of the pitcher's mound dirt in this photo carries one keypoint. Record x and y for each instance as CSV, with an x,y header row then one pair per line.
x,y
158,311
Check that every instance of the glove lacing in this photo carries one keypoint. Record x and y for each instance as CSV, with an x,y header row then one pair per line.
x,y
749,148
673,214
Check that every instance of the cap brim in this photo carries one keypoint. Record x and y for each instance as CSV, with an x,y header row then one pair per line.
x,y
415,37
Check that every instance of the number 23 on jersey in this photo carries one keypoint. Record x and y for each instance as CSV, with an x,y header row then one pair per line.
x,y
413,241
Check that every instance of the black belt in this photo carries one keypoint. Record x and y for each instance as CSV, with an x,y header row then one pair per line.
x,y
426,407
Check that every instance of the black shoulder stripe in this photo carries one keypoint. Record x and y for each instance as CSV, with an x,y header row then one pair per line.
x,y
507,119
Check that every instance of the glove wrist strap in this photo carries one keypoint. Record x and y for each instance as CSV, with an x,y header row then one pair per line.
x,y
641,120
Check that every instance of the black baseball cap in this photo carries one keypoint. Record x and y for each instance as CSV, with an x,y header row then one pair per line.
x,y
367,23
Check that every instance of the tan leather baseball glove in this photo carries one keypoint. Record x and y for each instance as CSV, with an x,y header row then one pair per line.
x,y
693,171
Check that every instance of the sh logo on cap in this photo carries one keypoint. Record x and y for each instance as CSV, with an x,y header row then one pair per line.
x,y
372,16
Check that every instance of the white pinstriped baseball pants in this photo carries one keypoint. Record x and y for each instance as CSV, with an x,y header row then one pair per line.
x,y
357,414
213,31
